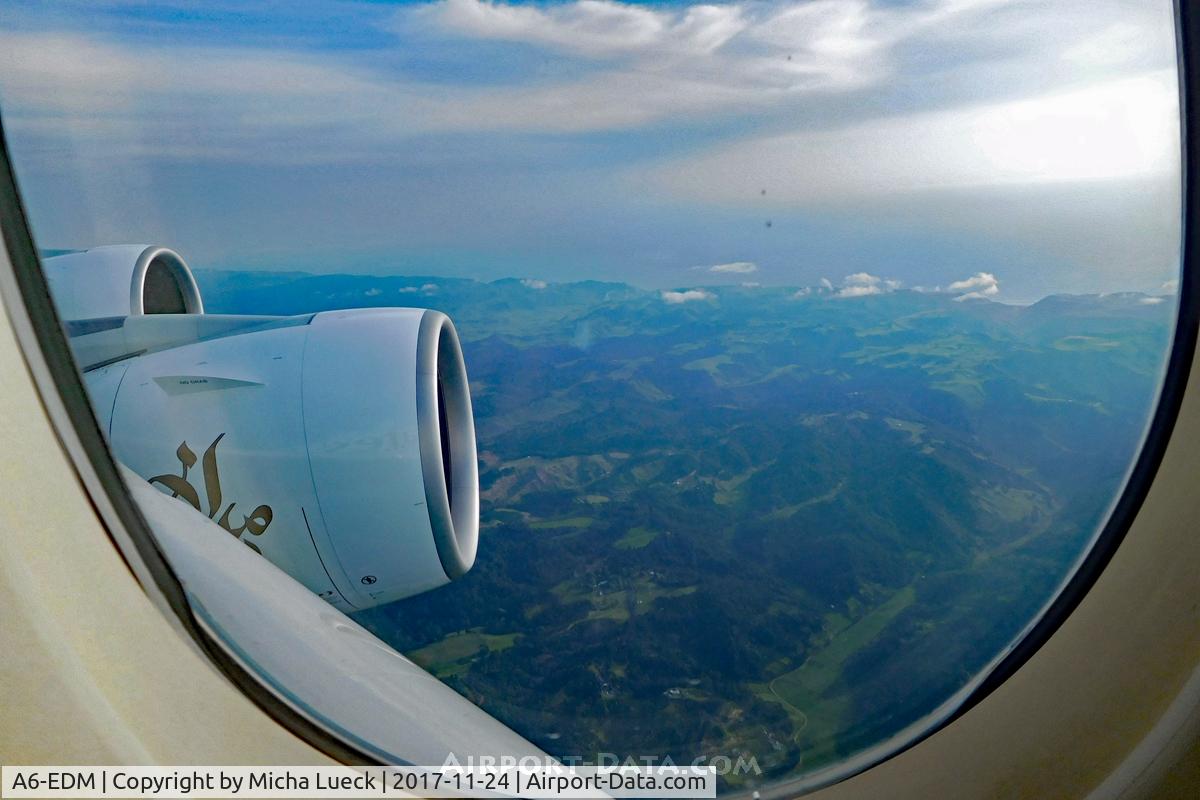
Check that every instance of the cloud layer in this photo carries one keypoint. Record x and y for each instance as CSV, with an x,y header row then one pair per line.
x,y
735,267
643,138
686,296
864,284
620,66
595,28
979,286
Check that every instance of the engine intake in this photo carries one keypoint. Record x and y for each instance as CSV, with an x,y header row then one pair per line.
x,y
122,280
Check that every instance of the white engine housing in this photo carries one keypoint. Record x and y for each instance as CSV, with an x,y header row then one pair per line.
x,y
341,446
122,280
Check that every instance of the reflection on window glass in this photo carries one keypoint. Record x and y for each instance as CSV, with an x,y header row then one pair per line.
x,y
809,343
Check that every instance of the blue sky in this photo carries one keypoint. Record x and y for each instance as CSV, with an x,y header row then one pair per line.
x,y
919,143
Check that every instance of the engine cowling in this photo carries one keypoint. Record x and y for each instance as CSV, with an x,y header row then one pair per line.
x,y
341,445
122,280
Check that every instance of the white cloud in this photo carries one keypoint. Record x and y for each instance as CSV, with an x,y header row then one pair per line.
x,y
664,61
858,291
644,65
736,267
980,286
983,284
533,283
667,63
374,292
861,279
826,284
864,284
687,296
1171,286
1151,301
593,27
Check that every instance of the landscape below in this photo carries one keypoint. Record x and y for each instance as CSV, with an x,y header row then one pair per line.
x,y
759,523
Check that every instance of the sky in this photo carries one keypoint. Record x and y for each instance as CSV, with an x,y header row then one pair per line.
x,y
871,146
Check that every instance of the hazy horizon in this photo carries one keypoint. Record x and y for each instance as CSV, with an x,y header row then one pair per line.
x,y
836,291
849,287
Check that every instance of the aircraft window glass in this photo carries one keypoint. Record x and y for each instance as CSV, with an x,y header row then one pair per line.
x,y
734,383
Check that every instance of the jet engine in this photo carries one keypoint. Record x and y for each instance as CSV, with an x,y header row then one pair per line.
x,y
122,280
339,445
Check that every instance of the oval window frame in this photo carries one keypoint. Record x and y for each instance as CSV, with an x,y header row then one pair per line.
x,y
26,295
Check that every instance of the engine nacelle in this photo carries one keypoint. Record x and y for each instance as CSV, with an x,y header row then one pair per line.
x,y
340,445
122,280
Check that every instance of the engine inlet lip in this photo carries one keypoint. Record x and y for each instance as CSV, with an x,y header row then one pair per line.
x,y
444,417
185,282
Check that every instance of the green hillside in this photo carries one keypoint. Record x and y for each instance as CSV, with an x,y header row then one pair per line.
x,y
758,524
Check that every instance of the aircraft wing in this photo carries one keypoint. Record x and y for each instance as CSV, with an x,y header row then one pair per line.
x,y
326,664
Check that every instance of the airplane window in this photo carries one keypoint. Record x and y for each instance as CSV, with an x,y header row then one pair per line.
x,y
736,384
